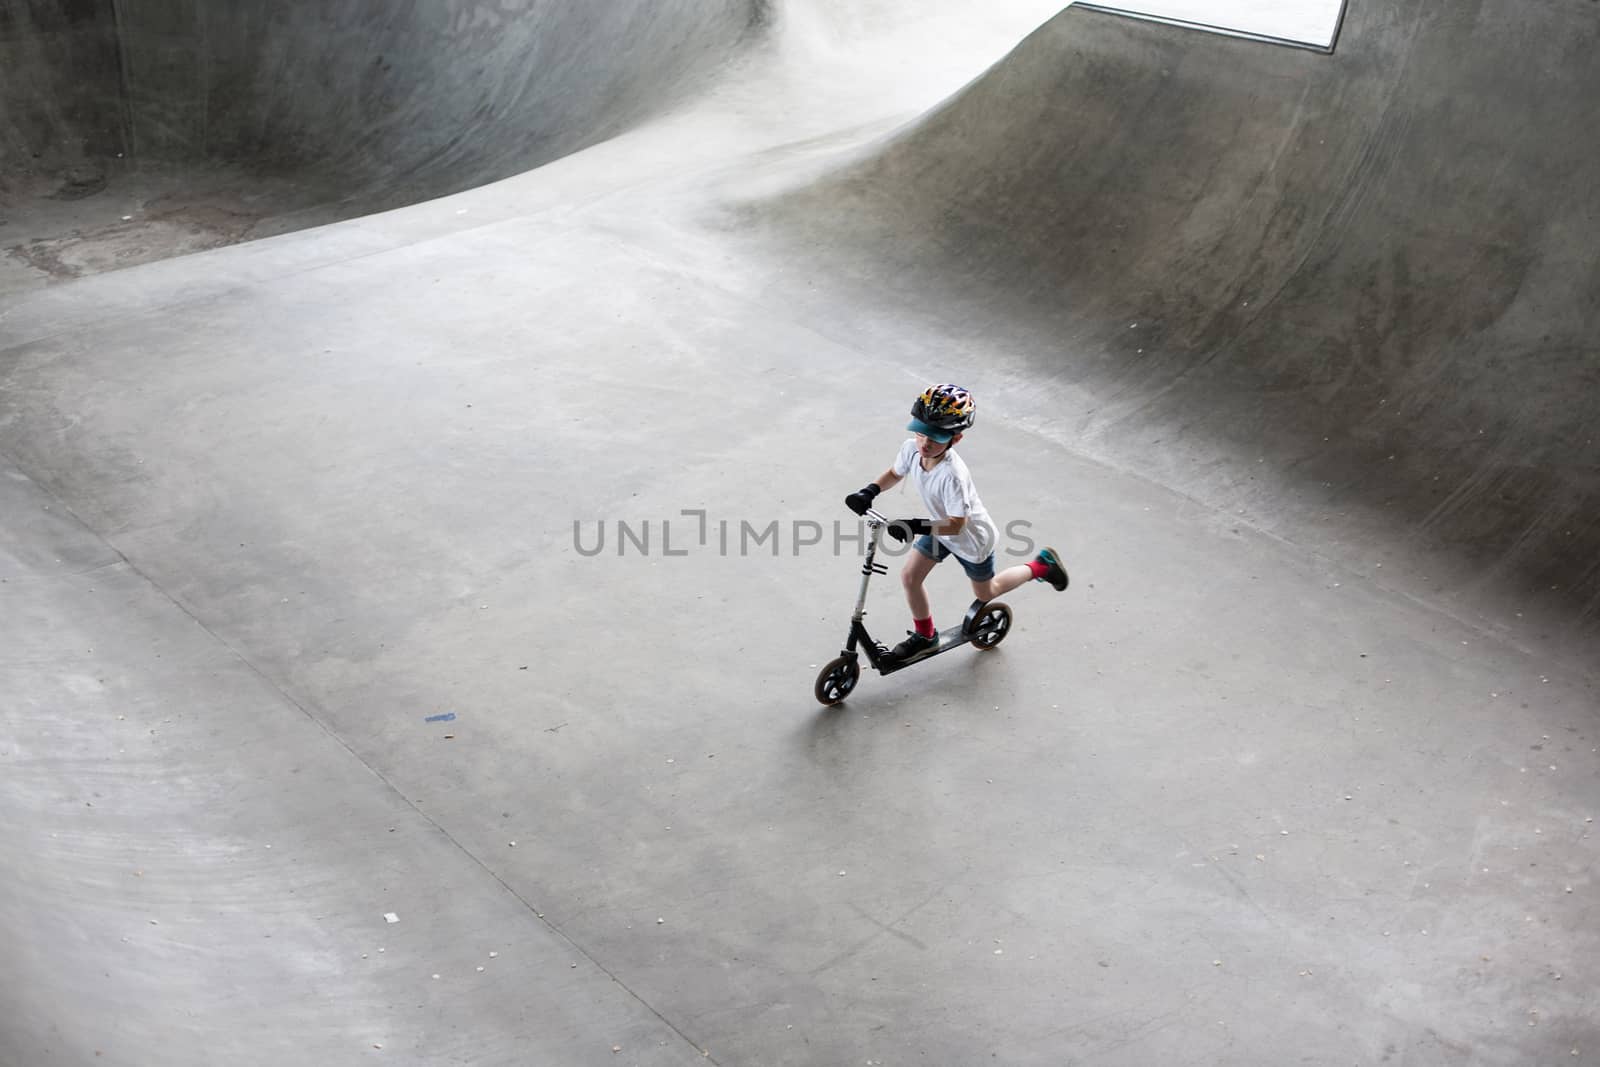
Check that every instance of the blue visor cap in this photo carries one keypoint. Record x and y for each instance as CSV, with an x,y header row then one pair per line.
x,y
932,433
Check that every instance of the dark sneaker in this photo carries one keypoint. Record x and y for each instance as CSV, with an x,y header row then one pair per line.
x,y
1057,574
913,645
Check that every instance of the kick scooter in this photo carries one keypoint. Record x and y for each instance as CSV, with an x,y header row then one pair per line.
x,y
984,627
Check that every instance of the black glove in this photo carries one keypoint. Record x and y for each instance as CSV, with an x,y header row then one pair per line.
x,y
860,500
903,530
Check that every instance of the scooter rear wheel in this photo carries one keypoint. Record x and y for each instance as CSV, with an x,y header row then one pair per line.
x,y
990,628
836,681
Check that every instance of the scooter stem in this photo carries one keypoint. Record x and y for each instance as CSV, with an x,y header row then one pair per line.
x,y
870,566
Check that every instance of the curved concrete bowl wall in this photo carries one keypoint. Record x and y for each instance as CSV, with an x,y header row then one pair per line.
x,y
60,88
432,96
1373,269
216,122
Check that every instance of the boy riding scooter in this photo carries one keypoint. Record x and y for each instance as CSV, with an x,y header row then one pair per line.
x,y
960,525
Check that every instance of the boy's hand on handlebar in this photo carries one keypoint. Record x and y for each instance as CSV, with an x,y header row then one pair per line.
x,y
860,500
905,529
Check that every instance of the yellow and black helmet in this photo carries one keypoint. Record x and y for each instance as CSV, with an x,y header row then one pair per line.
x,y
942,411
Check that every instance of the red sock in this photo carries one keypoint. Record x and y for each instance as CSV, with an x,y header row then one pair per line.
x,y
924,626
1039,568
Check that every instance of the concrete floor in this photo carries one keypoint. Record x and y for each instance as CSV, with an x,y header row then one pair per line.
x,y
268,512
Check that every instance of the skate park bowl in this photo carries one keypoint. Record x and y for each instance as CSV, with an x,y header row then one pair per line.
x,y
408,617
210,123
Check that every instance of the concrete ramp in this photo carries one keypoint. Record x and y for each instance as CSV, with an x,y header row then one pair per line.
x,y
1352,296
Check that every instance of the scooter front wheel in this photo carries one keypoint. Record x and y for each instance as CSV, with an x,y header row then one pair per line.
x,y
836,681
990,628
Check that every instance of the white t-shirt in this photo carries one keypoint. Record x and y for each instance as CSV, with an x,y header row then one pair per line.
x,y
948,493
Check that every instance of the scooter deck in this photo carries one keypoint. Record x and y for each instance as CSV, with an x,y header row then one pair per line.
x,y
948,640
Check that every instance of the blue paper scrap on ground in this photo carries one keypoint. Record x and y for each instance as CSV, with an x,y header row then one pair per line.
x,y
448,716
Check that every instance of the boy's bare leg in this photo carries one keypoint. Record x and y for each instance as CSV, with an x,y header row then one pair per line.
x,y
1002,583
916,570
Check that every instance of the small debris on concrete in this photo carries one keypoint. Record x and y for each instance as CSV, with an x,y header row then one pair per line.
x,y
390,917
448,716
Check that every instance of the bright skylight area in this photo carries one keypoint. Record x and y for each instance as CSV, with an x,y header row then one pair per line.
x,y
1307,22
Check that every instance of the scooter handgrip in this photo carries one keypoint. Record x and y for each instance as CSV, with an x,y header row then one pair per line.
x,y
906,529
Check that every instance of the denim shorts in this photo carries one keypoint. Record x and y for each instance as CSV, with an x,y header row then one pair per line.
x,y
936,551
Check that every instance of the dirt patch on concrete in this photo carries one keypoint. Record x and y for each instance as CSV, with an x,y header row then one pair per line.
x,y
88,221
125,244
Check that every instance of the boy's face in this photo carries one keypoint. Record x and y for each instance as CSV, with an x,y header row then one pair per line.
x,y
931,449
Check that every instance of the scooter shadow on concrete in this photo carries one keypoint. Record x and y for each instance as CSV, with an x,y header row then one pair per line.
x,y
958,691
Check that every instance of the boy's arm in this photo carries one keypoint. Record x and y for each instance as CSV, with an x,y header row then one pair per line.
x,y
949,527
955,509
